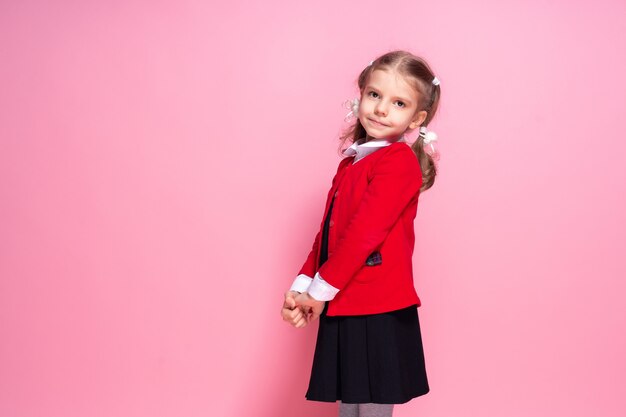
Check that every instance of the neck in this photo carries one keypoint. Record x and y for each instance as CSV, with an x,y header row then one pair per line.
x,y
389,139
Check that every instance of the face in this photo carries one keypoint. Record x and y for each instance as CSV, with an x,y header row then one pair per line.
x,y
388,106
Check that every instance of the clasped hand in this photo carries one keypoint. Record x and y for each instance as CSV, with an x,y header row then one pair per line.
x,y
300,309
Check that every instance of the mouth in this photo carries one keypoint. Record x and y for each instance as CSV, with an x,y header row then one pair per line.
x,y
377,123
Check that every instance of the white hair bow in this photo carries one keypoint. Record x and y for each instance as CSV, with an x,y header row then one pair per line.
x,y
429,137
353,105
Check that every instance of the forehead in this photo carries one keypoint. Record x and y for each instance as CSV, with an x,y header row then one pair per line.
x,y
391,83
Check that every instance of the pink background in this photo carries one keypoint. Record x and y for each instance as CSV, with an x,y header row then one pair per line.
x,y
163,169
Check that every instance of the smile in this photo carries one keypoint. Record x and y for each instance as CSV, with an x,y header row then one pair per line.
x,y
377,123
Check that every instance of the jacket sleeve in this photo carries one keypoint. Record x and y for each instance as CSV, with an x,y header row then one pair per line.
x,y
308,268
310,264
395,181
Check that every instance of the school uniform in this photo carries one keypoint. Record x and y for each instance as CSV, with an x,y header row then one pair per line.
x,y
369,347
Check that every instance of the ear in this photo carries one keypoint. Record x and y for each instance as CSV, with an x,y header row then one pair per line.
x,y
419,118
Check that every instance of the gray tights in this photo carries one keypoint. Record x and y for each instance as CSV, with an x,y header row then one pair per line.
x,y
365,410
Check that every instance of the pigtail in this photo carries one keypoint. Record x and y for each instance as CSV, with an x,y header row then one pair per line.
x,y
427,155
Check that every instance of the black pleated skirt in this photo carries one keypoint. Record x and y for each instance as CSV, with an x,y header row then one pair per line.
x,y
374,358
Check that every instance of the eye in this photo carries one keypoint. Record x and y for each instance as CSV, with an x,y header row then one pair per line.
x,y
402,103
372,92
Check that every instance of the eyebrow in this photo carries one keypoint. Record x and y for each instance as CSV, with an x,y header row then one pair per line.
x,y
398,97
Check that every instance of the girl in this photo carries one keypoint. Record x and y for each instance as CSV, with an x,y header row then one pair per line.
x,y
358,277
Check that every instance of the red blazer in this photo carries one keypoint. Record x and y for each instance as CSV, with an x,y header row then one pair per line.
x,y
374,209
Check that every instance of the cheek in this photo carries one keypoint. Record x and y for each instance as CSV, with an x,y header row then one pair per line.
x,y
365,106
406,119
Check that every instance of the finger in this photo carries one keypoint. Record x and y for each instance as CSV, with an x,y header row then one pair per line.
x,y
314,315
299,300
301,323
297,316
293,313
289,303
289,314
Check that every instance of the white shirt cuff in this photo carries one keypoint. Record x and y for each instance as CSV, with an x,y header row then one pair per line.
x,y
321,290
301,283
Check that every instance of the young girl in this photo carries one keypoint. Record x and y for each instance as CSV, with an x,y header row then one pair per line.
x,y
358,277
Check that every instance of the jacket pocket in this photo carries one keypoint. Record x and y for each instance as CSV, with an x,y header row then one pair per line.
x,y
375,258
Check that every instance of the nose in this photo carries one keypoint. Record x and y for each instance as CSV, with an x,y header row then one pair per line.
x,y
381,109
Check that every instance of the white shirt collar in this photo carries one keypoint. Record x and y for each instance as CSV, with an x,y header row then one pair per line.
x,y
361,150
